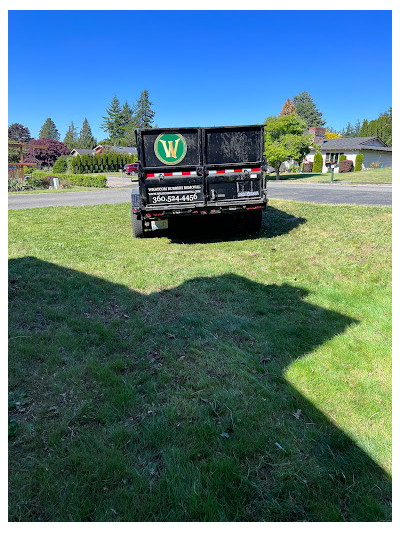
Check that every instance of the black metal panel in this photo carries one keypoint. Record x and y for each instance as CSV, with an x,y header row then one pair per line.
x,y
147,153
233,145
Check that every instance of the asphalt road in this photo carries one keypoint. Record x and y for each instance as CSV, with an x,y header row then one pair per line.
x,y
311,192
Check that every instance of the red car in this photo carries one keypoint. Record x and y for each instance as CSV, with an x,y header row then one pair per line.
x,y
131,168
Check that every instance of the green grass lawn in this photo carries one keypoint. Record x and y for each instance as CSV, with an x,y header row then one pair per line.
x,y
373,175
232,378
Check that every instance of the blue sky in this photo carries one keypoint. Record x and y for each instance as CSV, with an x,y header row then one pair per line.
x,y
201,68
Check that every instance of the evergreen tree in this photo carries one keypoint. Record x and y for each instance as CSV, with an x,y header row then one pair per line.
x,y
86,140
349,131
307,109
113,123
143,114
49,131
288,108
364,129
71,137
357,128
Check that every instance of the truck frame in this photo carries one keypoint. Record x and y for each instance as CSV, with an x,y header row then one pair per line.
x,y
199,171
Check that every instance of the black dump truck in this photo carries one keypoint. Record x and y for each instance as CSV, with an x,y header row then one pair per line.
x,y
199,171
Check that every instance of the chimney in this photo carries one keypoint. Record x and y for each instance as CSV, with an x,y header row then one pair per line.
x,y
318,134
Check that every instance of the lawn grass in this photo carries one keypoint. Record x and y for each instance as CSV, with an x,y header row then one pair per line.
x,y
373,175
226,379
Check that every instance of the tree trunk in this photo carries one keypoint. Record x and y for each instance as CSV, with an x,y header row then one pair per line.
x,y
277,165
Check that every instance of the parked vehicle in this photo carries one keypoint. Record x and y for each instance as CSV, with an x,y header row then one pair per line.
x,y
199,172
131,168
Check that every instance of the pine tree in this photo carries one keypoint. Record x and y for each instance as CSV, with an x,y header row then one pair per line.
x,y
288,108
71,137
357,128
49,131
143,114
114,122
307,109
86,140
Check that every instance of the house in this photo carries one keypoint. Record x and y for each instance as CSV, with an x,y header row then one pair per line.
x,y
81,151
119,149
99,148
373,149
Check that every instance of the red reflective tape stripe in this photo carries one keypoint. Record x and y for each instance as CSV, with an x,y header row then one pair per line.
x,y
220,171
237,170
150,175
255,170
167,173
185,173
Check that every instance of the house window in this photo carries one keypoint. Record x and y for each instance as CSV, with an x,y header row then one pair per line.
x,y
333,157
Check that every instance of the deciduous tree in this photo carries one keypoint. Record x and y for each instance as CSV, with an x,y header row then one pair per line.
x,y
47,156
285,139
288,108
19,133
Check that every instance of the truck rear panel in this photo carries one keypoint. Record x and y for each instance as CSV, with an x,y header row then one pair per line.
x,y
201,170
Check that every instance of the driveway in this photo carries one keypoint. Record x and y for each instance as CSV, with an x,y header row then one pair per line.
x,y
121,191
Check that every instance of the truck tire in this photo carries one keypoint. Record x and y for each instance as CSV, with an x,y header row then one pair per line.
x,y
137,226
254,221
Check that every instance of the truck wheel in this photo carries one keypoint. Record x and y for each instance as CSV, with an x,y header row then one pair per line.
x,y
254,221
137,226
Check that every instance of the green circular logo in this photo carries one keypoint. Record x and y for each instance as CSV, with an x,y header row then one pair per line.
x,y
170,148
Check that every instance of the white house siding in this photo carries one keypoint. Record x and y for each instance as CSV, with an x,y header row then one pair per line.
x,y
371,156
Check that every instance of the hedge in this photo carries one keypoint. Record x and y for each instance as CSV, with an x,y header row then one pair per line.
x,y
104,162
342,158
318,162
80,180
359,162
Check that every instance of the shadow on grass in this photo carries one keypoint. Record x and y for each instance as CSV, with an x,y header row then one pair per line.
x,y
173,406
217,228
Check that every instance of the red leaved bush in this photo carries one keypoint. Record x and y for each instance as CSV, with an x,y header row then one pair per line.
x,y
47,156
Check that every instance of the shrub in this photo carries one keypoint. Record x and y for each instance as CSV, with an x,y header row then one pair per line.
x,y
376,164
17,185
72,180
84,180
60,166
318,162
359,161
346,166
342,158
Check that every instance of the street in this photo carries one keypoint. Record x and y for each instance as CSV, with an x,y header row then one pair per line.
x,y
303,192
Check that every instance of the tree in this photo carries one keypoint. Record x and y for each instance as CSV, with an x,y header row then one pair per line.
x,y
114,122
285,139
307,109
49,131
47,156
364,129
143,114
86,140
19,133
349,131
71,137
288,108
357,128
